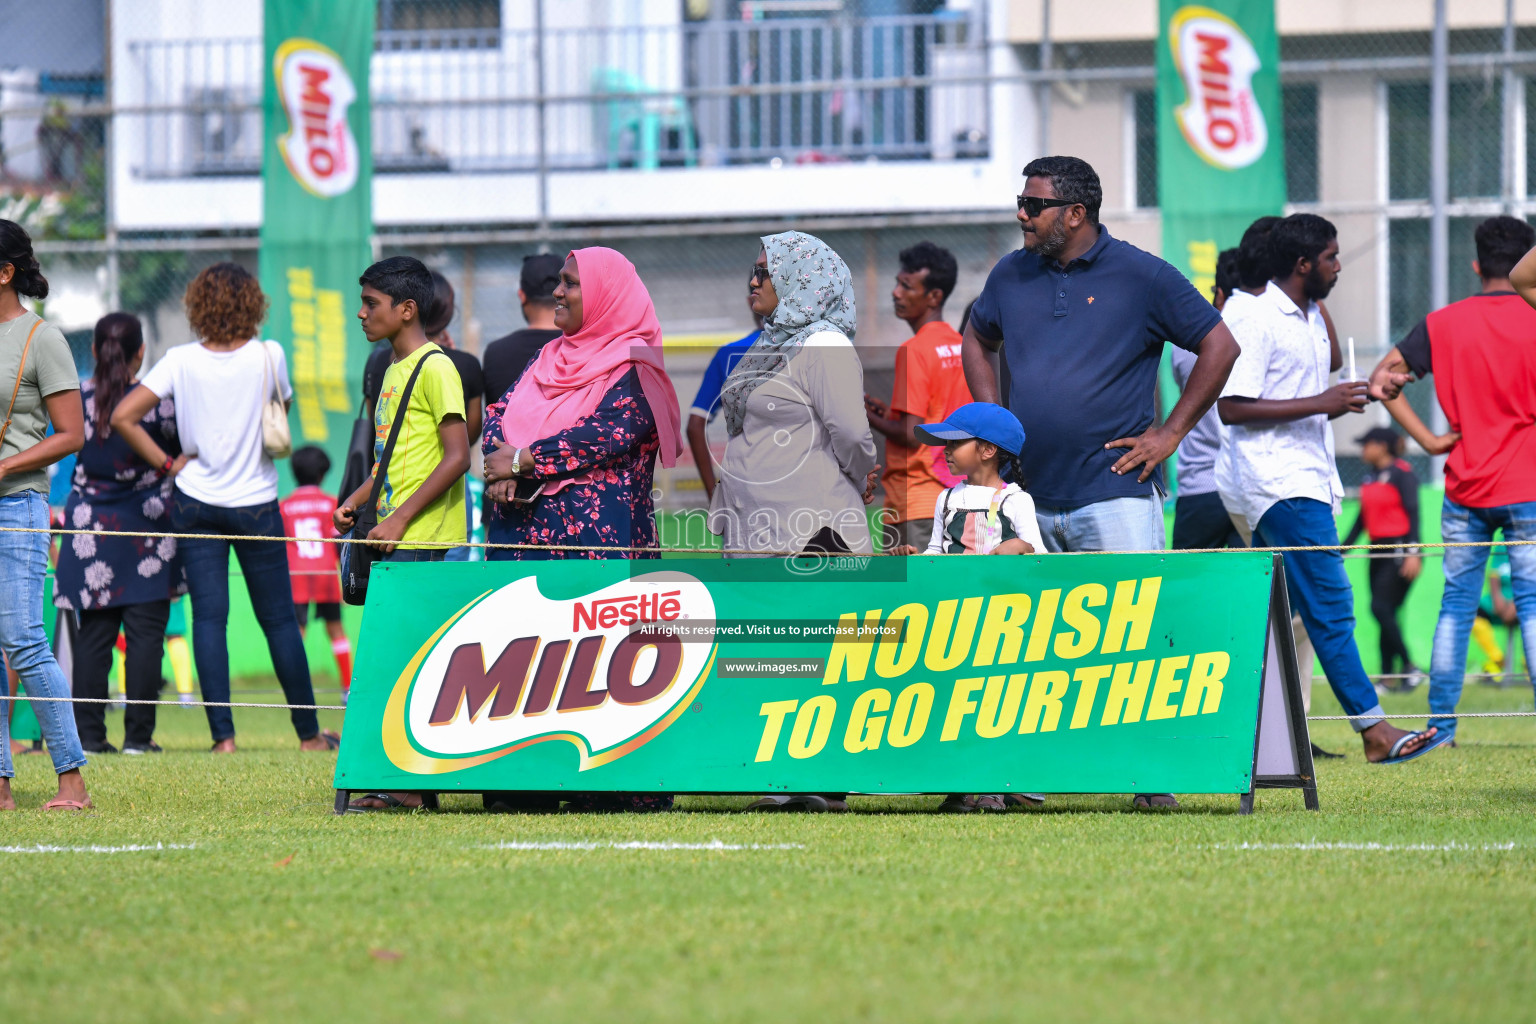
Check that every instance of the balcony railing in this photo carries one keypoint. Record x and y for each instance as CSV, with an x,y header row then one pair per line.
x,y
714,93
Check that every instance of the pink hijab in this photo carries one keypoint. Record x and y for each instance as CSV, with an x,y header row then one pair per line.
x,y
568,379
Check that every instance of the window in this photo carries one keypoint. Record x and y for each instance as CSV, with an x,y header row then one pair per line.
x,y
439,24
1408,269
1145,103
1299,118
1474,141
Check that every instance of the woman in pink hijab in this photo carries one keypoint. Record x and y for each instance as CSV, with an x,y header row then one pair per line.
x,y
585,423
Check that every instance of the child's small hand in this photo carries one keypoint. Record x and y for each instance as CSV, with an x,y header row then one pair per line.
x,y
905,549
1014,546
343,518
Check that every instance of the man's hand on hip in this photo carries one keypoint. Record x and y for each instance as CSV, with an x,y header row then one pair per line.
x,y
1147,451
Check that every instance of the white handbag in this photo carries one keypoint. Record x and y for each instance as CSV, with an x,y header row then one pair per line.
x,y
276,437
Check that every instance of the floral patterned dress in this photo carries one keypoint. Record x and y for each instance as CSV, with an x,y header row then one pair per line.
x,y
614,451
115,490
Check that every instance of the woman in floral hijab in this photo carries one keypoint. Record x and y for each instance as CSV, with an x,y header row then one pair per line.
x,y
800,460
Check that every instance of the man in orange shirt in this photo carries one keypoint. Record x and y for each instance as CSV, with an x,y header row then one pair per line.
x,y
930,384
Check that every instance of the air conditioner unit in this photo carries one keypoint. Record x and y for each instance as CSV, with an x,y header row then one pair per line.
x,y
223,135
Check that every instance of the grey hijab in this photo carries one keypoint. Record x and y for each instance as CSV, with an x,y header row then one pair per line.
x,y
815,294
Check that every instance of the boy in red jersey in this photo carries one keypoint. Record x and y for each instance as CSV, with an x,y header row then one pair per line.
x,y
313,563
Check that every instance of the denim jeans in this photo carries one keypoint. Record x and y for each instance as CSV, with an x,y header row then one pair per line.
x,y
264,565
419,555
1116,524
23,568
1320,591
1464,571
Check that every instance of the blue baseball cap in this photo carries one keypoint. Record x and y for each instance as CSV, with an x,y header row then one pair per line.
x,y
983,421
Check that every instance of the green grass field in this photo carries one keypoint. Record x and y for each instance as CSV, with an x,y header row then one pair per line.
x,y
278,910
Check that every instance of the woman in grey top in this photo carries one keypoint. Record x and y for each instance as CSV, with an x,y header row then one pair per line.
x,y
799,463
38,387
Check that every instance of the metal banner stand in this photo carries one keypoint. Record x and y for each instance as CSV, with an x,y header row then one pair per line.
x,y
1282,750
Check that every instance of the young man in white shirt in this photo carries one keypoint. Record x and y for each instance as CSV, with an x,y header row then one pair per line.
x,y
1277,462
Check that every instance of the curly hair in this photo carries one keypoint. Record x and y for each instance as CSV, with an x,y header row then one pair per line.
x,y
225,303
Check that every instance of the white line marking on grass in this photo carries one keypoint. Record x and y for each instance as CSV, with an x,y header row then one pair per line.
x,y
1372,847
640,845
135,848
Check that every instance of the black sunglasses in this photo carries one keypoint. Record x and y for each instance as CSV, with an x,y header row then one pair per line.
x,y
758,275
1036,205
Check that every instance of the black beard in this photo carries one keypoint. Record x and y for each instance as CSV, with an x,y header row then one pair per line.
x,y
1051,245
1315,288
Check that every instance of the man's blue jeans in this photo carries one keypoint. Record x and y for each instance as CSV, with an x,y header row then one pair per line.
x,y
1320,591
1116,524
264,564
23,568
1464,571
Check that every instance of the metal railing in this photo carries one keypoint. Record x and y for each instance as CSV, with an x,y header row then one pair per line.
x,y
711,93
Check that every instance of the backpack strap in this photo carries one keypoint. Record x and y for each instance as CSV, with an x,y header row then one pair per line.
x,y
16,388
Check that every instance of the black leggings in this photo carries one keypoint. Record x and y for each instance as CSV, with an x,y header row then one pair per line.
x,y
1388,592
144,627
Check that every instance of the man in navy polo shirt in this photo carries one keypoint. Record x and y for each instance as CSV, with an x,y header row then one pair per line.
x,y
1083,317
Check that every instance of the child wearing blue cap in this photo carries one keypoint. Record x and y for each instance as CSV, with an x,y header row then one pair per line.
x,y
986,514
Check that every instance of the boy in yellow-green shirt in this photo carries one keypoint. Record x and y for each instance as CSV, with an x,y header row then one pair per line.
x,y
422,500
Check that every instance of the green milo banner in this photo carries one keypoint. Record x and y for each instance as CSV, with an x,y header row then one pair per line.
x,y
1059,673
1220,151
317,171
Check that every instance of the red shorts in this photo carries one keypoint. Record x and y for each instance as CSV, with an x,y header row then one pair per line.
x,y
316,588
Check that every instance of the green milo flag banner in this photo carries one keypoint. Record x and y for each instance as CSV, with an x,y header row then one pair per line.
x,y
1060,673
317,182
1220,151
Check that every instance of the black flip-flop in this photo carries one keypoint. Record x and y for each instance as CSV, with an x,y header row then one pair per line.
x,y
1440,740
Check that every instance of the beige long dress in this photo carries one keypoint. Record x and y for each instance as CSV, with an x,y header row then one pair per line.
x,y
800,462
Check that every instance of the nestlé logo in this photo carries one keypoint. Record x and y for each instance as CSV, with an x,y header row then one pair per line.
x,y
1220,117
320,150
517,668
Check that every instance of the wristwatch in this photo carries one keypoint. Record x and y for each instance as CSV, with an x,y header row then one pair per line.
x,y
167,465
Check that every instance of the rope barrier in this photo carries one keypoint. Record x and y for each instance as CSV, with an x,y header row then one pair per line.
x,y
1423,714
1369,550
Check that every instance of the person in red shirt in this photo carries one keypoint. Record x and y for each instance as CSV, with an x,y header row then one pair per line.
x,y
930,384
312,564
1389,513
1482,351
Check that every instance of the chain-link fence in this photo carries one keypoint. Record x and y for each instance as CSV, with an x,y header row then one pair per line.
x,y
105,95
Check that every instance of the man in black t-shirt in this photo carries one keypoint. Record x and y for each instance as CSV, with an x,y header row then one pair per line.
x,y
506,358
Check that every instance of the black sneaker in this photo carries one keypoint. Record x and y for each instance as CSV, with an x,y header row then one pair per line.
x,y
149,748
98,748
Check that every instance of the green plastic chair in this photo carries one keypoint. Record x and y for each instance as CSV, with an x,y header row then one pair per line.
x,y
635,109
